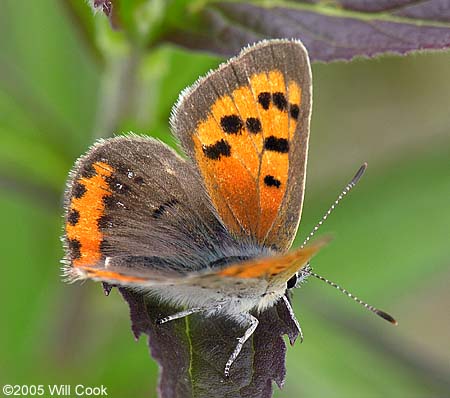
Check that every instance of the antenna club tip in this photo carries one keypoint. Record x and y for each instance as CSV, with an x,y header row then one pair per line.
x,y
387,317
359,173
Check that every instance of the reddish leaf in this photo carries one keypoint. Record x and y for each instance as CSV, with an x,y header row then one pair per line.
x,y
192,352
330,31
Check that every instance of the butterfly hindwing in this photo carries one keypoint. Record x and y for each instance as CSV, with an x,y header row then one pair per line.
x,y
135,196
246,126
252,277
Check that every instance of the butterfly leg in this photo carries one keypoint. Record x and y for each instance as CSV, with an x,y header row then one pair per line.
x,y
253,322
182,314
291,313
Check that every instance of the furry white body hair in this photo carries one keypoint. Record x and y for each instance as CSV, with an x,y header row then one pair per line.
x,y
225,297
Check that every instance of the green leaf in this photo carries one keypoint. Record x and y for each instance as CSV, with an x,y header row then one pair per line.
x,y
32,159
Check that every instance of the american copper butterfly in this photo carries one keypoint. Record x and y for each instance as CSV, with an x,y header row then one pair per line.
x,y
209,233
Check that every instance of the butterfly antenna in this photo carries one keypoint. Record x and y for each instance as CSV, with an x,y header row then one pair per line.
x,y
380,313
344,192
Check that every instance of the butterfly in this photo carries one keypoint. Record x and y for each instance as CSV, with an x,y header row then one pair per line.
x,y
210,232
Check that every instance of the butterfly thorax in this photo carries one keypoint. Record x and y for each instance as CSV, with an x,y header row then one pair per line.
x,y
240,282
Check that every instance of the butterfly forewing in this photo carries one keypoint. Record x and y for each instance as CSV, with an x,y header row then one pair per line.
x,y
134,196
246,127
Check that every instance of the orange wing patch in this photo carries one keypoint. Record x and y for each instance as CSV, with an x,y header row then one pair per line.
x,y
86,208
242,150
111,276
276,267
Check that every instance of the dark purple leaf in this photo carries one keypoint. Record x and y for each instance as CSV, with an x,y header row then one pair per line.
x,y
432,10
192,351
330,31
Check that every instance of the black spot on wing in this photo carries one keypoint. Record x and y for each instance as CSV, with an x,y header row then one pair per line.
x,y
104,222
117,186
111,202
276,144
79,190
73,217
253,125
88,171
271,181
232,124
157,213
264,99
294,111
215,151
280,101
75,249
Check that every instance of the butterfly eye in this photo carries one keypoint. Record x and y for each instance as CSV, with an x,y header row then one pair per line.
x,y
292,282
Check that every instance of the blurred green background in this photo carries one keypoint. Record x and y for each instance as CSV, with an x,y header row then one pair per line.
x,y
391,245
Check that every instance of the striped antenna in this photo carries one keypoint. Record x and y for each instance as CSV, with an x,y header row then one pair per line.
x,y
307,270
369,307
344,192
